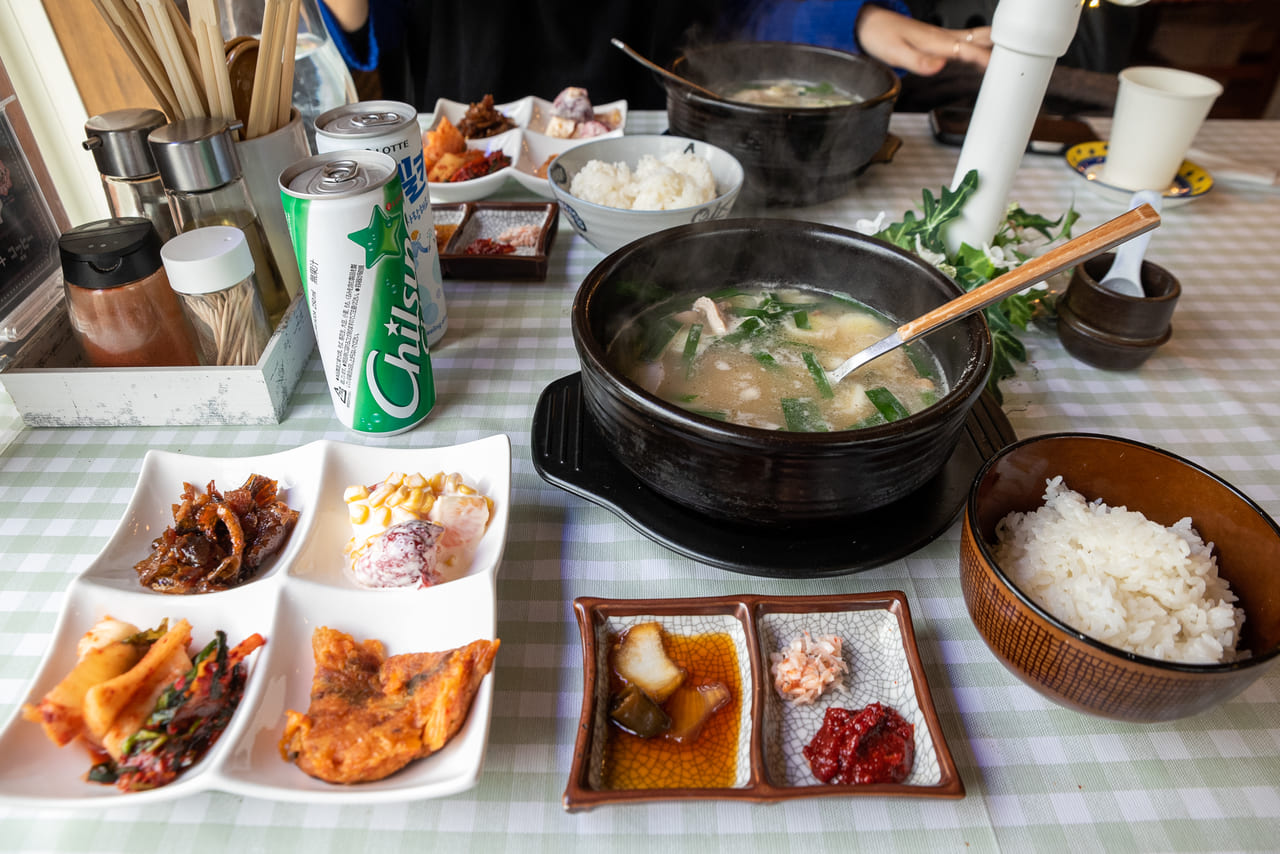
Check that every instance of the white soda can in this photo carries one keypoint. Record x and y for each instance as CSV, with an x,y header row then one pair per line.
x,y
345,216
391,127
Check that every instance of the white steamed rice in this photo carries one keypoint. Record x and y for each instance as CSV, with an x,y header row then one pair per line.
x,y
1121,579
678,180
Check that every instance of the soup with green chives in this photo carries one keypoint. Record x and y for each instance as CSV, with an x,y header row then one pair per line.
x,y
756,357
787,92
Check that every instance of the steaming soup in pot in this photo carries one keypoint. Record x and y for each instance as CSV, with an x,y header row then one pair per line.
x,y
788,92
756,356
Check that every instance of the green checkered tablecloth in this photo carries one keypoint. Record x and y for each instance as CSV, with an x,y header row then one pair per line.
x,y
1037,776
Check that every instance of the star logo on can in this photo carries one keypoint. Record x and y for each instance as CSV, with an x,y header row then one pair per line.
x,y
382,238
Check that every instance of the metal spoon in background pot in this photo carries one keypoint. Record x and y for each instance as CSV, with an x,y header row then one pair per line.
x,y
1125,275
1082,248
653,66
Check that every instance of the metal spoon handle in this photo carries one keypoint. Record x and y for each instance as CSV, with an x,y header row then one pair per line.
x,y
1082,248
653,66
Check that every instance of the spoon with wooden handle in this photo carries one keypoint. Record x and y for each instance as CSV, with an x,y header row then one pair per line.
x,y
1082,248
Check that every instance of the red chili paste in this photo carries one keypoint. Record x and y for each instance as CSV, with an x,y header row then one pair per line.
x,y
874,745
486,246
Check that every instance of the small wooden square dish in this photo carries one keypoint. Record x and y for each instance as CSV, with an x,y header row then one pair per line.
x,y
752,748
495,240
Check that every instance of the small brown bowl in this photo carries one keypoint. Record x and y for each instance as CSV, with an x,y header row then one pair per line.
x,y
1132,318
1115,331
1104,349
1065,665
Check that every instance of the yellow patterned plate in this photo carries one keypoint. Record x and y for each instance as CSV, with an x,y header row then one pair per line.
x,y
1087,159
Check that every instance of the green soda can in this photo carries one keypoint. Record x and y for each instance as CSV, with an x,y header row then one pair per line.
x,y
345,212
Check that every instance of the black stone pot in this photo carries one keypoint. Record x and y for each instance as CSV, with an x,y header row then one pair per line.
x,y
748,474
791,156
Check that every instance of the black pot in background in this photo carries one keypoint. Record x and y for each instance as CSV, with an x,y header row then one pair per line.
x,y
791,156
763,476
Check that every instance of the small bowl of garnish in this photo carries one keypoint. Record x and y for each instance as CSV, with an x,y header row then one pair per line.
x,y
1111,330
1119,579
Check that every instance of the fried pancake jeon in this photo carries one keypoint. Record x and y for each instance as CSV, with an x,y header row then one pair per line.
x,y
371,715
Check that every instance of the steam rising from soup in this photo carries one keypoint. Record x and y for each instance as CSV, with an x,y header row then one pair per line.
x,y
789,92
756,357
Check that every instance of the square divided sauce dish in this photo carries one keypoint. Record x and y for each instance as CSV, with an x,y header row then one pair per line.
x,y
305,585
753,747
496,240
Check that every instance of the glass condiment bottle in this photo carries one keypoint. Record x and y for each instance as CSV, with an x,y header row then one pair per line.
x,y
122,310
202,177
118,141
211,270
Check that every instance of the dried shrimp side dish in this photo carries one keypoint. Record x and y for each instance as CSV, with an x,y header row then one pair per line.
x,y
805,668
140,704
218,541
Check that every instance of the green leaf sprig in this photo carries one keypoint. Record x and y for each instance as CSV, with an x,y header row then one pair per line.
x,y
973,266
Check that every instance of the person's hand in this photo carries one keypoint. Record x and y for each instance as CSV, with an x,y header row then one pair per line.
x,y
350,14
918,47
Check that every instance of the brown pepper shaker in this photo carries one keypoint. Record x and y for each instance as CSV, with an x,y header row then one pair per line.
x,y
122,310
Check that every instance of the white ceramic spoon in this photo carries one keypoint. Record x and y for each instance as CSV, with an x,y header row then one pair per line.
x,y
1082,248
1125,275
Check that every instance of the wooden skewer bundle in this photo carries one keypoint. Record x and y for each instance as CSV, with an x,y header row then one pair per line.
x,y
185,66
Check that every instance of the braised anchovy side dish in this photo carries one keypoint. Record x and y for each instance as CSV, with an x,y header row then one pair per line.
x,y
218,541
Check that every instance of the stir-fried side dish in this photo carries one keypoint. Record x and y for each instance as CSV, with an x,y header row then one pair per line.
x,y
788,92
675,715
482,120
142,707
757,357
872,745
414,531
217,542
371,715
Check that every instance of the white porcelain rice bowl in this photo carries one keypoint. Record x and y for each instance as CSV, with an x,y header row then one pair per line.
x,y
609,228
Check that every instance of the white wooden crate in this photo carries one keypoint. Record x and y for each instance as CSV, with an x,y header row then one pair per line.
x,y
51,388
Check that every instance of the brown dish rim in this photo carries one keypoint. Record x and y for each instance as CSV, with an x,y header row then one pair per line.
x,y
457,265
748,609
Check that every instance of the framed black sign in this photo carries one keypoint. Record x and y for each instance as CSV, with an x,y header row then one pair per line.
x,y
31,220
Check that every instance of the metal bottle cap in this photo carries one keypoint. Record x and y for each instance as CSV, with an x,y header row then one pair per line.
x,y
118,140
195,154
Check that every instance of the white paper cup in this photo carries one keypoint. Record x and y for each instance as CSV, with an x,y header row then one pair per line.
x,y
1158,112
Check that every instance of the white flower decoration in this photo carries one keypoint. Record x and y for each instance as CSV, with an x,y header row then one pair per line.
x,y
870,226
